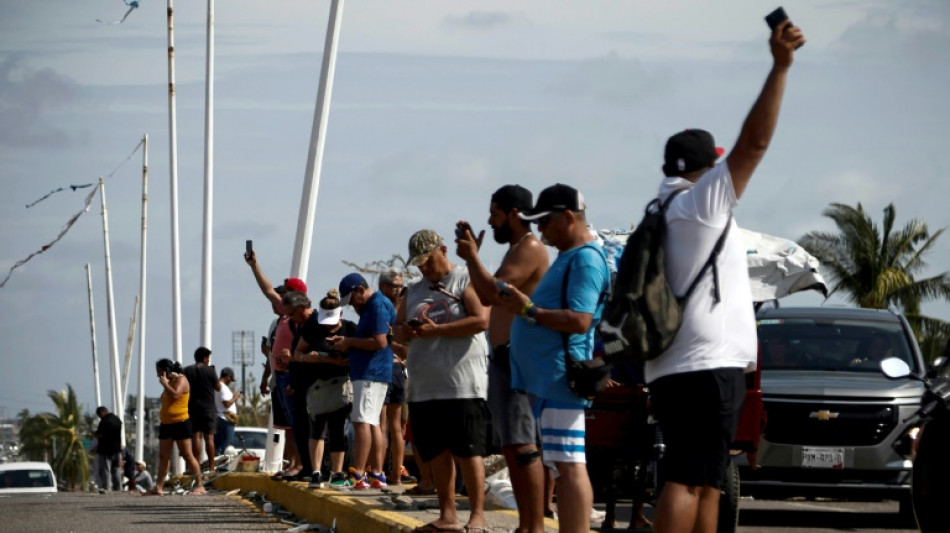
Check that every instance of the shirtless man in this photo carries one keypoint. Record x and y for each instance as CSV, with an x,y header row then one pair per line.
x,y
523,266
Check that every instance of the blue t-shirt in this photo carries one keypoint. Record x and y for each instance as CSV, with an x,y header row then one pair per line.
x,y
537,352
378,314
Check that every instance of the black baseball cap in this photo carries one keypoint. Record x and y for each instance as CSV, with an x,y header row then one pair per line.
x,y
690,150
512,197
557,197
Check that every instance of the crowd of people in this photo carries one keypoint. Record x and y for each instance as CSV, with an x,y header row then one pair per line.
x,y
460,346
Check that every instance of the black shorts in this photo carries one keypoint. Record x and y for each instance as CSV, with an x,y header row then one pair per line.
x,y
396,393
698,413
202,421
177,431
456,426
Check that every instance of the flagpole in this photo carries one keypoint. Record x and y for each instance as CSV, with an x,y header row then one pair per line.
x,y
311,185
117,399
140,401
92,334
177,466
206,254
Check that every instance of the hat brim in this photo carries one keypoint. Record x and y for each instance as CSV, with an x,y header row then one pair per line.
x,y
329,317
417,260
345,300
534,216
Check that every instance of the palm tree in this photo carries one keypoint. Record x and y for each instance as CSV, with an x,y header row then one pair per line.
x,y
55,437
876,268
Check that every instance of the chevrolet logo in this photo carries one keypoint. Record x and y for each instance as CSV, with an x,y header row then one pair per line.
x,y
824,416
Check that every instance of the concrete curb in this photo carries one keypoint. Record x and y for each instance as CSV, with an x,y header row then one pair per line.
x,y
362,513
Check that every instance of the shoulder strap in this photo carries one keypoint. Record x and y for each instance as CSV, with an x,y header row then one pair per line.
x,y
564,335
712,261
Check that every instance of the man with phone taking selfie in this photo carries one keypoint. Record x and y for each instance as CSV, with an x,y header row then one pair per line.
x,y
697,385
513,423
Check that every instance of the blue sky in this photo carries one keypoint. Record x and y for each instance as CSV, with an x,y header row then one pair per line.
x,y
436,104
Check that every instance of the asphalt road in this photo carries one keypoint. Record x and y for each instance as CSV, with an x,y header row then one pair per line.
x,y
808,516
125,512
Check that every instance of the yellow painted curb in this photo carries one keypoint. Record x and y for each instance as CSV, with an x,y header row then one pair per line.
x,y
322,506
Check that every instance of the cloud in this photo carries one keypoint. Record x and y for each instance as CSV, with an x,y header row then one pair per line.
x,y
612,80
26,96
918,35
479,20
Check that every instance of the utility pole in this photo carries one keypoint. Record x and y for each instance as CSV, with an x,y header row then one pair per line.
x,y
242,353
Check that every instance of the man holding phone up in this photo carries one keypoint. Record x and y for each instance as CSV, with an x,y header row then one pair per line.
x,y
525,262
697,385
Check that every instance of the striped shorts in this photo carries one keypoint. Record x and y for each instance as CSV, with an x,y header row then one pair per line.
x,y
562,433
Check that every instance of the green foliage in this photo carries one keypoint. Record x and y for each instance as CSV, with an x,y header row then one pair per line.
x,y
56,437
878,267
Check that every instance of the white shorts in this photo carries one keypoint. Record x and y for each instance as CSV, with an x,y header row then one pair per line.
x,y
368,398
562,434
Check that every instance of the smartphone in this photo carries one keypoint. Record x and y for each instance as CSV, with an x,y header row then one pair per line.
x,y
776,17
249,246
414,322
459,234
502,287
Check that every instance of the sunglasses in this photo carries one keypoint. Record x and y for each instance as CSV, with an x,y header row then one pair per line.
x,y
547,218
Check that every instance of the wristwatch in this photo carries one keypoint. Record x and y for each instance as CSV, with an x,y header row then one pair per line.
x,y
530,313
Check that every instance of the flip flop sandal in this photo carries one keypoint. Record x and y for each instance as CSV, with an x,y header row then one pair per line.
x,y
432,528
419,491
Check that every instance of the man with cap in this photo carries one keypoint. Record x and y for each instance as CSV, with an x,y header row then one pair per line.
x,y
371,367
201,409
225,404
141,481
392,286
447,363
562,312
325,396
281,406
513,423
697,385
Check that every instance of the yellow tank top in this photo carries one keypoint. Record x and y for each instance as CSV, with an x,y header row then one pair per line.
x,y
173,410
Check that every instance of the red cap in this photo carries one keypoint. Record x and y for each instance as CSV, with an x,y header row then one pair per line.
x,y
293,284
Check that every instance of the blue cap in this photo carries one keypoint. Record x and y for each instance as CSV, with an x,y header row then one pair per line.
x,y
348,283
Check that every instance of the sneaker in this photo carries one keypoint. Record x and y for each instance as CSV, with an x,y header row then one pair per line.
x,y
316,481
358,482
376,481
339,481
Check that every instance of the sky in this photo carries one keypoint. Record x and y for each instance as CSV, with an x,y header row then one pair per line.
x,y
435,105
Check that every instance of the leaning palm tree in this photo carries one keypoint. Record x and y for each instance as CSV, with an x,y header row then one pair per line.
x,y
55,437
877,267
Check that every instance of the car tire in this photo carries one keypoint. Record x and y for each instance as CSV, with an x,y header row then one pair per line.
x,y
729,500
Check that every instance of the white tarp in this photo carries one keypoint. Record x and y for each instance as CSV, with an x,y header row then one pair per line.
x,y
777,266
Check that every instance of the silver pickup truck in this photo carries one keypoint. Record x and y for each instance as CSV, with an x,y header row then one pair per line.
x,y
835,425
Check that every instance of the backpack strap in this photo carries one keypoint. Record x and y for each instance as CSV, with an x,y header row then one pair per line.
x,y
711,261
564,335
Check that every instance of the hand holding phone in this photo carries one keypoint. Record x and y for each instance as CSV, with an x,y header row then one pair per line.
x,y
503,287
777,17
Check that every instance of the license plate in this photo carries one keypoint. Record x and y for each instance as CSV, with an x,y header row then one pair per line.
x,y
823,458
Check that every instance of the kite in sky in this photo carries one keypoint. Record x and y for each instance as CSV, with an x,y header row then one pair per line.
x,y
132,5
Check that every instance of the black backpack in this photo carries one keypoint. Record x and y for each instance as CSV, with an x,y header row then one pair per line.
x,y
643,315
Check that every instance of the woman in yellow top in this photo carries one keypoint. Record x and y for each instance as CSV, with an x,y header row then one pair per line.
x,y
175,425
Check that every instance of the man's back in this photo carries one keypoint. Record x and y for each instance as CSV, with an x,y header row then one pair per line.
x,y
713,335
109,433
202,379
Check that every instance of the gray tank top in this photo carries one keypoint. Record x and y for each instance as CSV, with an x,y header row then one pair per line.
x,y
444,368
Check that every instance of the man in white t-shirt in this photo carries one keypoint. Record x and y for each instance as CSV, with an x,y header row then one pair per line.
x,y
697,385
225,405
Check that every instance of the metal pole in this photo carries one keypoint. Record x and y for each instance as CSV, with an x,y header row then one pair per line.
x,y
177,466
206,256
308,200
243,365
92,334
117,399
311,185
127,369
140,401
173,168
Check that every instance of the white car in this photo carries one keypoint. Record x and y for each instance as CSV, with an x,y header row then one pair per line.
x,y
26,477
253,440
